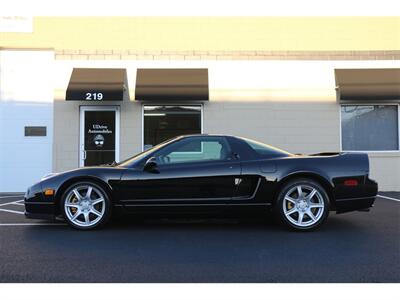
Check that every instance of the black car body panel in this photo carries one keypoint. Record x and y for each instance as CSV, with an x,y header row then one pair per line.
x,y
243,181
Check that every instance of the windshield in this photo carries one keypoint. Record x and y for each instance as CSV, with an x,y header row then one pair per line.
x,y
139,156
264,149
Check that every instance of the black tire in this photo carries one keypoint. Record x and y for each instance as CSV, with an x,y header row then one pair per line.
x,y
321,196
98,189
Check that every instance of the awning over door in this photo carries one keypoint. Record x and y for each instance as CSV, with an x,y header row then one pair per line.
x,y
172,84
95,84
368,84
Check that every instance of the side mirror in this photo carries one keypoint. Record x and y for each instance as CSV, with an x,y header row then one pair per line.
x,y
150,165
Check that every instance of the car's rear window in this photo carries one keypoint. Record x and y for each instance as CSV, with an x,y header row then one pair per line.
x,y
264,149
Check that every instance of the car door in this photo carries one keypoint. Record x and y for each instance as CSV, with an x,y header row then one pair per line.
x,y
193,170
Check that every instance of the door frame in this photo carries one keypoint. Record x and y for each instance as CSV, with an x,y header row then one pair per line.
x,y
82,110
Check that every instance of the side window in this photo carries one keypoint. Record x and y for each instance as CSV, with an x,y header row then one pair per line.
x,y
196,149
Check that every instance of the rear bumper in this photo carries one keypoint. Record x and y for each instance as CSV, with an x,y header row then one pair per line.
x,y
359,197
346,205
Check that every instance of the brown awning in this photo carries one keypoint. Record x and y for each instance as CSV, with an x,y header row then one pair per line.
x,y
172,84
368,84
97,84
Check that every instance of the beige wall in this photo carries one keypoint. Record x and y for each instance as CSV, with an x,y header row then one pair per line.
x,y
209,33
385,168
296,127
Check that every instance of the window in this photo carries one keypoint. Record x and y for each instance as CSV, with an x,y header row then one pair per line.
x,y
165,122
370,127
195,149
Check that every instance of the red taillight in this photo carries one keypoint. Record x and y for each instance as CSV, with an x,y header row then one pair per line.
x,y
351,182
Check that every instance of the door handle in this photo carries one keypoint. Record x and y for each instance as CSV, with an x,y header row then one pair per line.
x,y
84,154
235,155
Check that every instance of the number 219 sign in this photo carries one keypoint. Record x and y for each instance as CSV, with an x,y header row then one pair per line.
x,y
94,96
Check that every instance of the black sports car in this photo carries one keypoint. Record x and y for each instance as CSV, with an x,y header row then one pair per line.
x,y
211,174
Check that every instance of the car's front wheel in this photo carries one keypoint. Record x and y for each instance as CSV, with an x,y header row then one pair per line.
x,y
303,204
85,205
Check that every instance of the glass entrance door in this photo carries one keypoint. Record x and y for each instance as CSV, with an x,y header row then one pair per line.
x,y
99,135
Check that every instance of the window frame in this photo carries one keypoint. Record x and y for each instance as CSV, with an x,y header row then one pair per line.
x,y
352,103
225,140
171,104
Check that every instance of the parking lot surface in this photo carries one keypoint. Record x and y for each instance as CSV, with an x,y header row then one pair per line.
x,y
352,247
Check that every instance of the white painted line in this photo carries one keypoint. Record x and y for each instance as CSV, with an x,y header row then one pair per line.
x,y
7,203
12,211
19,201
389,198
16,203
32,224
1,197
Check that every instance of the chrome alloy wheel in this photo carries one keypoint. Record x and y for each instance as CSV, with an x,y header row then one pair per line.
x,y
84,205
303,205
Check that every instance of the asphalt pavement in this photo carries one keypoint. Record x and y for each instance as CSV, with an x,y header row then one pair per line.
x,y
352,247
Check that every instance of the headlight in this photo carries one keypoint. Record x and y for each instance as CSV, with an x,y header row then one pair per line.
x,y
48,176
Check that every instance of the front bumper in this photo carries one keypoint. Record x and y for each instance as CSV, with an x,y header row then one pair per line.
x,y
37,206
41,216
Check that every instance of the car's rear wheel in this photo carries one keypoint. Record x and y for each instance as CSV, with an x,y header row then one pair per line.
x,y
303,204
85,205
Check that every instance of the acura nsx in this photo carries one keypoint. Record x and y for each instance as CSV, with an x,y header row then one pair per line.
x,y
208,174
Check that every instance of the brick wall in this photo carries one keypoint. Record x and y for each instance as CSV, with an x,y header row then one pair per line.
x,y
225,55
